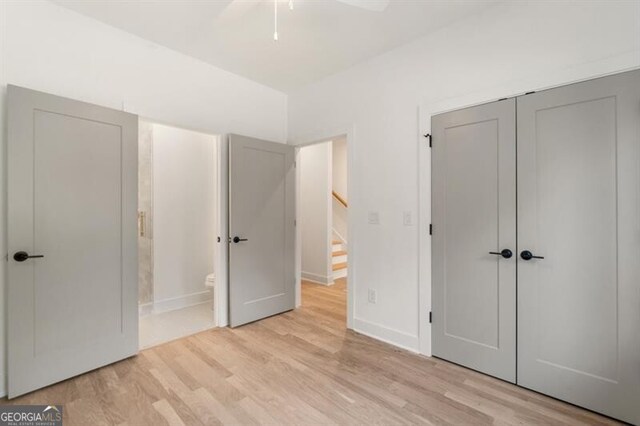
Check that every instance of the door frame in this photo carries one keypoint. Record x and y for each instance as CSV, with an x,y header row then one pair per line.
x,y
348,132
220,292
426,110
221,262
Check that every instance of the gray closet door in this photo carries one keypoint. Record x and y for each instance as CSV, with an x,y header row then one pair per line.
x,y
473,214
579,208
261,229
72,203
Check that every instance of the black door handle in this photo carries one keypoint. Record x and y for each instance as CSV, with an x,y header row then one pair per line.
x,y
506,253
527,255
21,256
238,239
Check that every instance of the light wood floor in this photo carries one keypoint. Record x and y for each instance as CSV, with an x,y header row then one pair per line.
x,y
301,367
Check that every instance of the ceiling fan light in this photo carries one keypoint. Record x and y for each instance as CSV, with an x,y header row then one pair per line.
x,y
275,20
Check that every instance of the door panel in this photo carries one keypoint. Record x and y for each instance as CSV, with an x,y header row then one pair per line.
x,y
473,212
72,197
261,210
77,195
578,207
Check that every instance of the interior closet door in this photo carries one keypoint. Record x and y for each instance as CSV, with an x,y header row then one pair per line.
x,y
261,229
579,208
72,238
474,238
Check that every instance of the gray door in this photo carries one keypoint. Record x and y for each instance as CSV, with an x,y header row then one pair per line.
x,y
579,208
72,198
473,214
261,229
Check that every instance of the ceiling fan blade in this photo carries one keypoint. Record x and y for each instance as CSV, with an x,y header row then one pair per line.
x,y
371,5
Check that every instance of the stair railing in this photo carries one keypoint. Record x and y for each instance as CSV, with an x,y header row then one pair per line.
x,y
340,199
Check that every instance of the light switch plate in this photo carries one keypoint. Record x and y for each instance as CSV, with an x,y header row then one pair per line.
x,y
373,297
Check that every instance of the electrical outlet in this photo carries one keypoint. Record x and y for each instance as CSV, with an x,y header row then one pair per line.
x,y
407,219
373,297
373,218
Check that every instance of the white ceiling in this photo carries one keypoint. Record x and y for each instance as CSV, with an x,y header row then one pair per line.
x,y
316,39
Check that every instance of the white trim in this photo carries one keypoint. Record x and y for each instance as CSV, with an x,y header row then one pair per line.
x,y
586,71
329,221
297,288
180,302
322,136
221,290
145,309
341,273
398,338
315,278
341,238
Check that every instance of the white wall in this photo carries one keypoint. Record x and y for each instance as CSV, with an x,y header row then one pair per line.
x,y
315,212
145,206
55,50
49,48
339,148
510,48
339,184
184,212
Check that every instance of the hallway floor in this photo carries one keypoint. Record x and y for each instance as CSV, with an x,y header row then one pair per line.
x,y
301,367
155,329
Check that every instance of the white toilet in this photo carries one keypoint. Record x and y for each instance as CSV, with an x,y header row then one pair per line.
x,y
210,281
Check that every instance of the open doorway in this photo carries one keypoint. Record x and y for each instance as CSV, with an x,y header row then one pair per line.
x,y
323,211
178,217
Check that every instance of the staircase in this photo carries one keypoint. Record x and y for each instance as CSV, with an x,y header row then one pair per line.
x,y
339,260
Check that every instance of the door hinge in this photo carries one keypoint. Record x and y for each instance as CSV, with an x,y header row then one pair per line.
x,y
430,317
295,164
430,229
295,222
428,135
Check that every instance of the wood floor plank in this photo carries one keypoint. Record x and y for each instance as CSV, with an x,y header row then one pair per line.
x,y
300,367
166,410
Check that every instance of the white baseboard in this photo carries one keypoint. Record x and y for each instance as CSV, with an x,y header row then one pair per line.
x,y
318,279
3,386
388,335
145,309
180,302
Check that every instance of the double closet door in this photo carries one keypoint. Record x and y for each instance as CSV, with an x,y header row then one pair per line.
x,y
536,242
